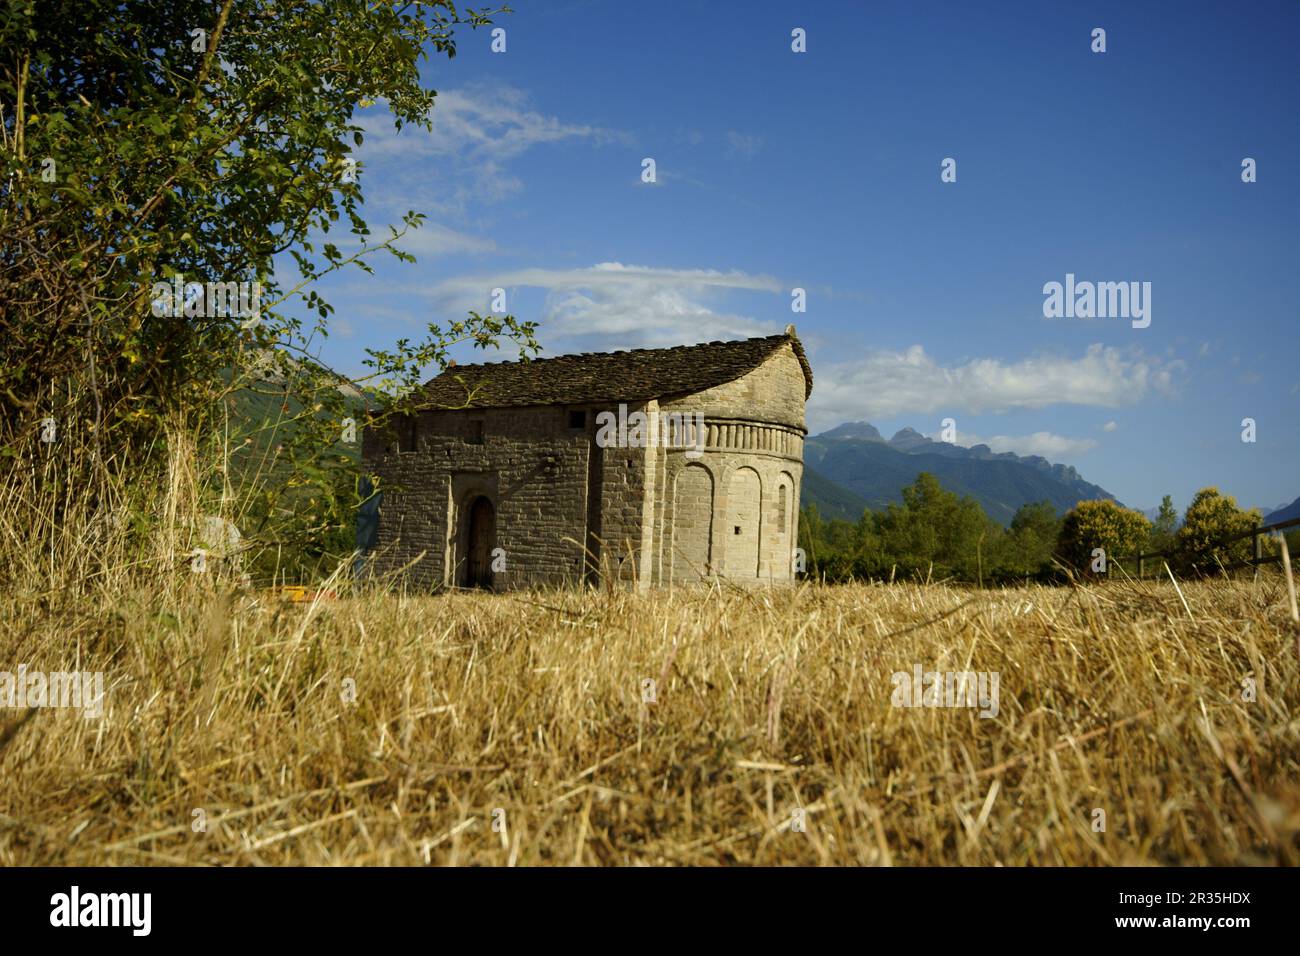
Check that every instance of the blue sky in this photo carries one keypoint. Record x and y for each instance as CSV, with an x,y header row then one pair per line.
x,y
821,170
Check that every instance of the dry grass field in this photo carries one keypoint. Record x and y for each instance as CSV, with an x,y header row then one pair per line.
x,y
230,734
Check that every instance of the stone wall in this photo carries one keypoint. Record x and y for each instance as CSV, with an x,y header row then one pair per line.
x,y
569,511
745,489
530,464
774,392
753,454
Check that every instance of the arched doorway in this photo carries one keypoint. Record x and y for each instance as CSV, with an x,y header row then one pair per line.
x,y
480,540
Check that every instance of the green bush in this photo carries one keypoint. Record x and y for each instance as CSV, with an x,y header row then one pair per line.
x,y
1201,545
1027,547
1118,531
936,534
1165,527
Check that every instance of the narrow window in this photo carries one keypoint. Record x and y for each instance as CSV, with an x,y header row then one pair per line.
x,y
578,419
476,432
407,433
780,510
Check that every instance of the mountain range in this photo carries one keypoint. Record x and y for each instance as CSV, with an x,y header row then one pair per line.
x,y
1284,513
853,467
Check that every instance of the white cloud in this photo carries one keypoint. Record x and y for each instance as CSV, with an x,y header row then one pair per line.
x,y
485,120
741,144
612,305
434,239
477,131
430,241
1110,426
887,384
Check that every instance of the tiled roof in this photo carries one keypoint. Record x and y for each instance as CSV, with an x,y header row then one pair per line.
x,y
593,377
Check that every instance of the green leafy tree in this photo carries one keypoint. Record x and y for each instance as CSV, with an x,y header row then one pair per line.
x,y
1165,526
1089,525
1028,545
812,534
148,146
934,532
1201,545
839,550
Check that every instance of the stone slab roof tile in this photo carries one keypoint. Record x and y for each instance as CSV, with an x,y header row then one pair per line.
x,y
596,377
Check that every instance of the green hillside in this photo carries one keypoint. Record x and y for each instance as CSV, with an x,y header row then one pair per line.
x,y
844,474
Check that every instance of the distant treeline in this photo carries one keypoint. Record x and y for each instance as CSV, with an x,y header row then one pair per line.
x,y
936,535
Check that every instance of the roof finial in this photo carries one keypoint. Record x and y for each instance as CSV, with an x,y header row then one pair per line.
x,y
789,330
